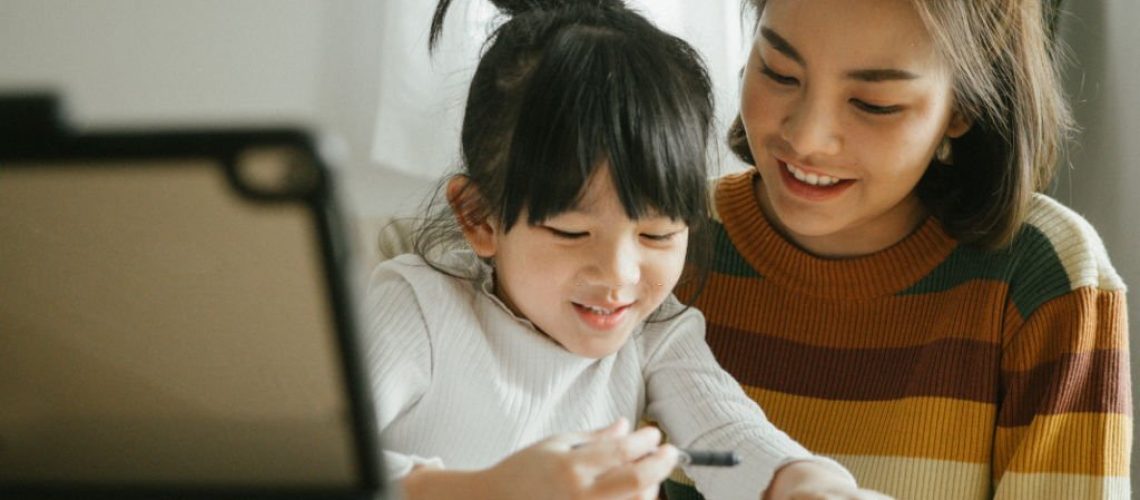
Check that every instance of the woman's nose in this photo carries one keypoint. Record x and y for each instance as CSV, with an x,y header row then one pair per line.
x,y
811,127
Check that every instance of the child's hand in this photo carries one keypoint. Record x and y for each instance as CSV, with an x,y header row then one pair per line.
x,y
610,463
814,481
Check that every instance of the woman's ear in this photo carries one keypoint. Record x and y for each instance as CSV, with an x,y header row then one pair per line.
x,y
958,125
467,204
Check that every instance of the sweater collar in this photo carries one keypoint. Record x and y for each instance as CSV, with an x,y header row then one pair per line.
x,y
774,257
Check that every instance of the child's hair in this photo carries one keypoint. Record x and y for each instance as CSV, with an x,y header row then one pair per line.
x,y
564,87
1006,82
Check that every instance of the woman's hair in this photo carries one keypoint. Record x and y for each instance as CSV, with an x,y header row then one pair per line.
x,y
565,87
1007,84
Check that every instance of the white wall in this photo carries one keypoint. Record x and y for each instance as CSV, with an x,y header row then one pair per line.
x,y
1104,177
143,63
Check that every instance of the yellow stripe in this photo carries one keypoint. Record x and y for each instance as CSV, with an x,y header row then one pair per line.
x,y
926,427
919,477
1096,444
1018,486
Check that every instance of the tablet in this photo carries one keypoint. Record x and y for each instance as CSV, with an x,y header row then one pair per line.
x,y
174,315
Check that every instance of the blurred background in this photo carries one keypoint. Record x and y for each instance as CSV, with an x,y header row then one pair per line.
x,y
358,74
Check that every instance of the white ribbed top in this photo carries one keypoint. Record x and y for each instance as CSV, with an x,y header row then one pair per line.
x,y
462,382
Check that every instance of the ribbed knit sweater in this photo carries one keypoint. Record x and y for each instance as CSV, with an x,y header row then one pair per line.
x,y
462,382
932,369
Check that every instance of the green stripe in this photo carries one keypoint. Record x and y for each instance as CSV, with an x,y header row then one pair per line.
x,y
1039,275
726,259
677,491
1030,268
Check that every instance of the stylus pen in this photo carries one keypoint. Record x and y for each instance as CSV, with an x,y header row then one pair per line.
x,y
709,458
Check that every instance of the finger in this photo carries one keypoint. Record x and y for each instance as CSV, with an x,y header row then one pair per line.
x,y
609,453
619,427
636,478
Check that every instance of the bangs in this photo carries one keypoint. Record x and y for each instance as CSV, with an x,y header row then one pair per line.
x,y
608,97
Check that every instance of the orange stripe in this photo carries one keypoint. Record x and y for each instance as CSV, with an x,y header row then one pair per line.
x,y
1072,443
936,428
1085,320
968,312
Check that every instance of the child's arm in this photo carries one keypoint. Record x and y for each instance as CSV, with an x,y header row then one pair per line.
x,y
608,463
699,405
810,479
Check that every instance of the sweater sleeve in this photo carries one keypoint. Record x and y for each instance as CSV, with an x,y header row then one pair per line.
x,y
1064,420
700,406
399,358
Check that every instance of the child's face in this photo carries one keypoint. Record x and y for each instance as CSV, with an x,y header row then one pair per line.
x,y
589,276
844,103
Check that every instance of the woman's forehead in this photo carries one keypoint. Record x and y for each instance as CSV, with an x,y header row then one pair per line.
x,y
858,33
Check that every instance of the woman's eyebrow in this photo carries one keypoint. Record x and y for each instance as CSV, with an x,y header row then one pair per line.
x,y
880,75
865,75
780,44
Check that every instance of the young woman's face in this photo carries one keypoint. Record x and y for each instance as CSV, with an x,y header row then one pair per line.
x,y
589,276
844,103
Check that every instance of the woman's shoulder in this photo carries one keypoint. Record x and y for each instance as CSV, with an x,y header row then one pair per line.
x,y
1055,236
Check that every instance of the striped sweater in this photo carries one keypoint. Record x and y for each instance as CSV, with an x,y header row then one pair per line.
x,y
931,369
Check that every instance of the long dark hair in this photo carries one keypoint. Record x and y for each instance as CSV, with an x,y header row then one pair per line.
x,y
564,87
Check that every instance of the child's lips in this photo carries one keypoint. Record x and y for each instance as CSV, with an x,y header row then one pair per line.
x,y
602,317
603,307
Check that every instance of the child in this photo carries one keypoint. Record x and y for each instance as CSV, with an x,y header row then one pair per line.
x,y
584,142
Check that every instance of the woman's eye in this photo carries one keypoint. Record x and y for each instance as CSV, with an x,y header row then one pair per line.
x,y
874,109
776,77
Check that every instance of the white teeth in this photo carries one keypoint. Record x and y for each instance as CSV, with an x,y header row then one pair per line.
x,y
811,178
599,310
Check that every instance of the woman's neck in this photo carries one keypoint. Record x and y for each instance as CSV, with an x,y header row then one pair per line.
x,y
864,239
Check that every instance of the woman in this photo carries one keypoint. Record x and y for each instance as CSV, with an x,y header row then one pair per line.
x,y
890,285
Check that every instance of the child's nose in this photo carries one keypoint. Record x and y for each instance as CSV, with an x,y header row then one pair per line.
x,y
618,266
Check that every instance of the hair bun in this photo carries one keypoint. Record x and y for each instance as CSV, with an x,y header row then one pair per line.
x,y
516,7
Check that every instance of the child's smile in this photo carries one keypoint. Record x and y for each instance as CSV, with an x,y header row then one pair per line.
x,y
589,276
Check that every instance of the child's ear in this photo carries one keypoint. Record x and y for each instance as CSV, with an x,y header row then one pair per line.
x,y
467,205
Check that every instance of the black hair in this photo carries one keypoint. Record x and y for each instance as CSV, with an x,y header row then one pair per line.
x,y
564,87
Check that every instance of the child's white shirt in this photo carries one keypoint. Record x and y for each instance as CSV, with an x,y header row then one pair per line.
x,y
461,382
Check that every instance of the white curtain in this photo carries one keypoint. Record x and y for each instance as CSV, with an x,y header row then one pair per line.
x,y
421,99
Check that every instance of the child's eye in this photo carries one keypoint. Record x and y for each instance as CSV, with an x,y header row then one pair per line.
x,y
875,109
776,77
569,235
660,237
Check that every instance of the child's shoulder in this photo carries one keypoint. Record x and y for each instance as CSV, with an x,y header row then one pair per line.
x,y
426,280
672,322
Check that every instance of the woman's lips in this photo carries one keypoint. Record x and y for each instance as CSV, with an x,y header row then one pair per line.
x,y
813,187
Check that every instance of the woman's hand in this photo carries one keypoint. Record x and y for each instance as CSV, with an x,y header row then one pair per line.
x,y
610,463
815,481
